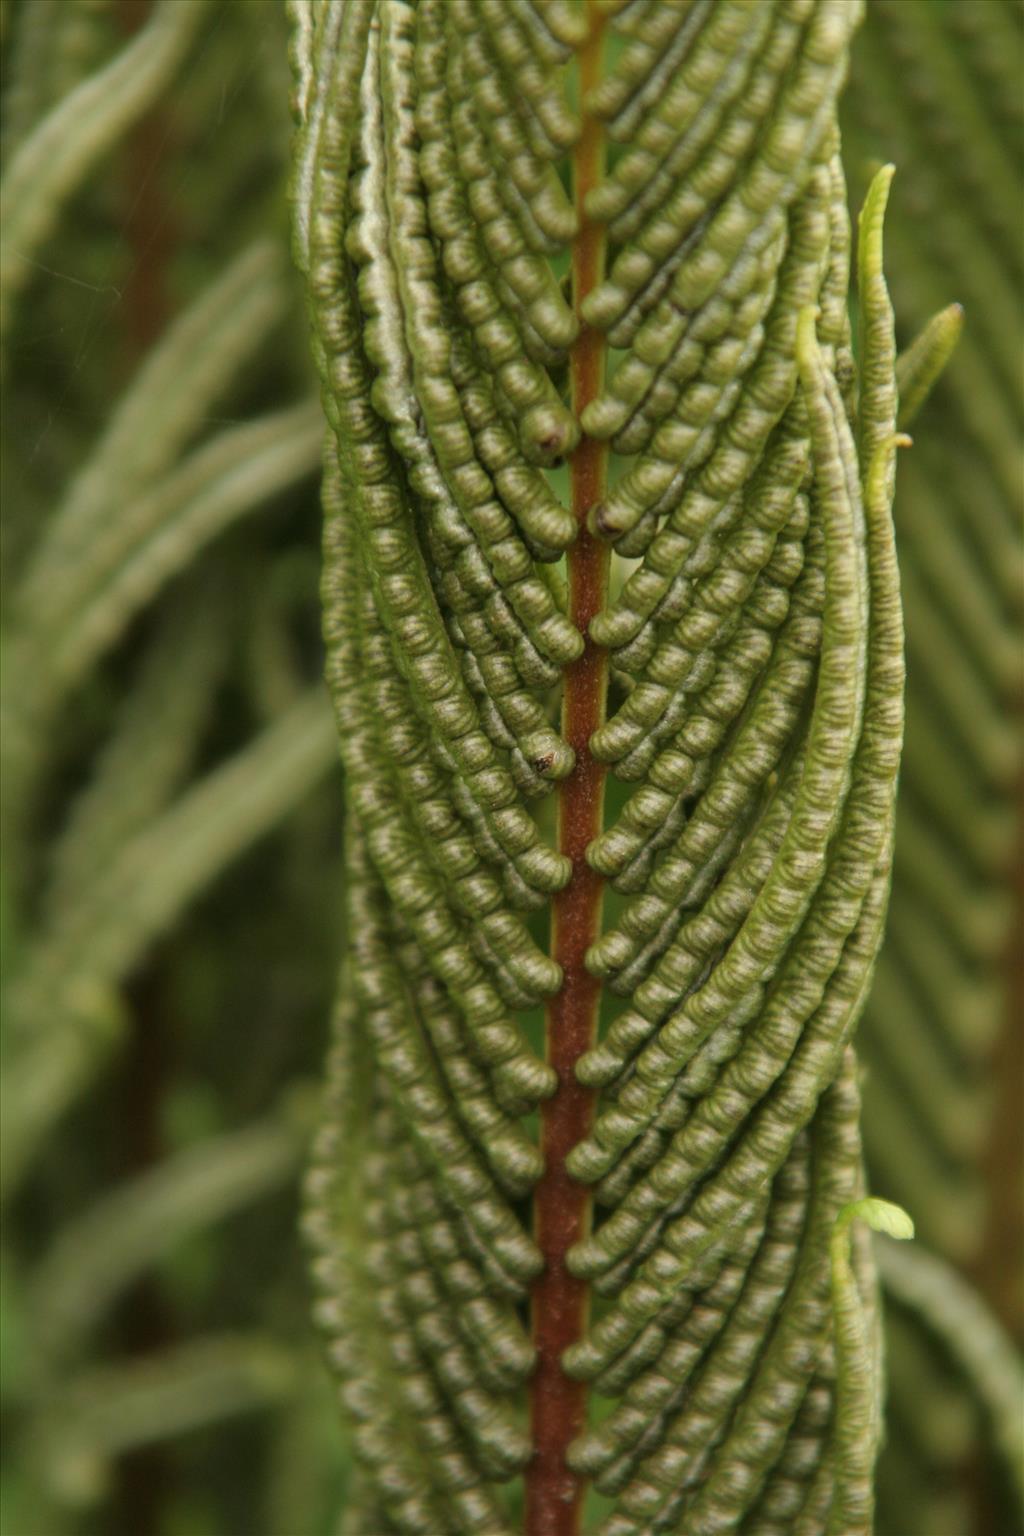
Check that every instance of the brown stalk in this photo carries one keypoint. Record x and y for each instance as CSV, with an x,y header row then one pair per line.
x,y
144,1479
562,1207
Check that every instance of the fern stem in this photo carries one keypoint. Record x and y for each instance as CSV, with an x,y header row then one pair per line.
x,y
562,1207
149,224
1001,1247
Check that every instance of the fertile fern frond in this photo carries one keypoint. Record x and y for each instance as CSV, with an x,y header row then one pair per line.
x,y
858,1406
752,628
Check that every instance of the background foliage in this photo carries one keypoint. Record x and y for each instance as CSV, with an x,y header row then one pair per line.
x,y
171,811
932,88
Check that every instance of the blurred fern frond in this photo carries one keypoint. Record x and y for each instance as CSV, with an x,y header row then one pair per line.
x,y
136,514
159,450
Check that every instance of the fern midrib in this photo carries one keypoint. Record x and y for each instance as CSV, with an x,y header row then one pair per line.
x,y
562,1206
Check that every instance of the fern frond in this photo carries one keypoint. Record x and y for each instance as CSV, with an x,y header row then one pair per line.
x,y
134,172
148,752
130,900
61,150
162,532
52,47
757,642
92,569
104,1413
924,360
174,390
62,1004
988,1358
99,1253
858,1412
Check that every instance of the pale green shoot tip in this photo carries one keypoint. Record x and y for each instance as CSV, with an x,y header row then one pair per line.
x,y
870,224
880,1216
920,365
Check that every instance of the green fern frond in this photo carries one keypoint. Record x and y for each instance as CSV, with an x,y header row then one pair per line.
x,y
985,1354
754,725
53,46
134,768
614,646
66,988
92,570
136,514
100,1252
149,751
61,150
102,1414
